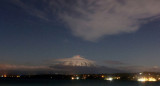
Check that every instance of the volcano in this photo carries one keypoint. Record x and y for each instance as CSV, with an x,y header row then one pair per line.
x,y
79,65
76,61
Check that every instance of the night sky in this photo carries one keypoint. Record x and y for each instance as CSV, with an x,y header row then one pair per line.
x,y
113,33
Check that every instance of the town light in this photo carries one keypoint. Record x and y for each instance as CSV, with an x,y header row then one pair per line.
x,y
143,79
109,78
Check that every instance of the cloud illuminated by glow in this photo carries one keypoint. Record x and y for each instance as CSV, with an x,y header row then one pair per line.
x,y
94,19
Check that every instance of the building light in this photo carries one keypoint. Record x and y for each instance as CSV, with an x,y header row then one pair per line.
x,y
5,75
152,79
118,77
72,78
18,76
102,76
143,79
77,78
109,78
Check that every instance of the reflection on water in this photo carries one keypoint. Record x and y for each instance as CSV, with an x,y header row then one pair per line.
x,y
77,83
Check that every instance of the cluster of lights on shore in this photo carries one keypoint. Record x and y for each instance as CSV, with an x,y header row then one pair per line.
x,y
76,77
10,76
73,78
144,79
141,77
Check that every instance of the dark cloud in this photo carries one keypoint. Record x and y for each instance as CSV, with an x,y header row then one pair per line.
x,y
113,62
134,69
23,69
20,67
85,70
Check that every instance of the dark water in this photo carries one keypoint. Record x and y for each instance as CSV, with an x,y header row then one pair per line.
x,y
77,83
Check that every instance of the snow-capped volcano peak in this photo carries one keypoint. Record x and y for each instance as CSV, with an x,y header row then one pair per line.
x,y
76,61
